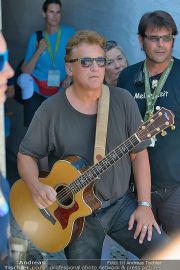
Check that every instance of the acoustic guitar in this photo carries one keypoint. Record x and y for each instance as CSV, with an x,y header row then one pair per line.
x,y
53,228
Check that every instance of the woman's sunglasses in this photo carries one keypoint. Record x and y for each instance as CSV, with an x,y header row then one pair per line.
x,y
3,59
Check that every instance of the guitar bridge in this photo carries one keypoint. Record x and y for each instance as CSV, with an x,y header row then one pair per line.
x,y
47,215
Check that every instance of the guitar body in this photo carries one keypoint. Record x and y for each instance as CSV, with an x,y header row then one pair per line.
x,y
52,229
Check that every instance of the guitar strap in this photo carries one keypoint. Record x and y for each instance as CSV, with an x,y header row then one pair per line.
x,y
101,124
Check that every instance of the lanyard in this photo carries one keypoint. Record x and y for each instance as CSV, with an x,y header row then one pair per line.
x,y
152,97
53,56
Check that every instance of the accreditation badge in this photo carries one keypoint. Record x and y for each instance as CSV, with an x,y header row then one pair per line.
x,y
54,77
153,142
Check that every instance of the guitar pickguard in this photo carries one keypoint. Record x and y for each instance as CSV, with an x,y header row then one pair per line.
x,y
63,214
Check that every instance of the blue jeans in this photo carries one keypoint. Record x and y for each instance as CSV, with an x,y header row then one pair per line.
x,y
166,208
112,221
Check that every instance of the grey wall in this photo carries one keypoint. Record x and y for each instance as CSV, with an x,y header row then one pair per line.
x,y
115,19
19,19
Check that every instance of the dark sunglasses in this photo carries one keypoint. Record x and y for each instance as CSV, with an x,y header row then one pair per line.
x,y
165,38
3,59
88,61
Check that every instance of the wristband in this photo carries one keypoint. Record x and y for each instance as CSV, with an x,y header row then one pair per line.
x,y
147,204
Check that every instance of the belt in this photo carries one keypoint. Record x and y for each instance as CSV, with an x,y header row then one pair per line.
x,y
107,203
112,201
166,189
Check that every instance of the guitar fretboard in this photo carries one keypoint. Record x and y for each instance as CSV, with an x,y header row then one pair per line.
x,y
109,160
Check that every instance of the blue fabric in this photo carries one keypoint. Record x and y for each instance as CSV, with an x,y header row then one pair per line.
x,y
4,221
44,63
80,164
7,126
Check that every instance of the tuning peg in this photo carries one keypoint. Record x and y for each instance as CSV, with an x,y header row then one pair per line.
x,y
173,127
163,133
158,108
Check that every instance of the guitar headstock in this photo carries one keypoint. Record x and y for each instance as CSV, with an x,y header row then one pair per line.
x,y
161,120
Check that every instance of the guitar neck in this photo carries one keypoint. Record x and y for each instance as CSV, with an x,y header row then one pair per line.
x,y
109,160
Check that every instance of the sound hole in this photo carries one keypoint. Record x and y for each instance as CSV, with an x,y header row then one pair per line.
x,y
64,195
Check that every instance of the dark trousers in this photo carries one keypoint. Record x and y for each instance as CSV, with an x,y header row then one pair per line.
x,y
30,106
166,208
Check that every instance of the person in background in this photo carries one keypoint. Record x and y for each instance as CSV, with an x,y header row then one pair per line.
x,y
6,72
156,82
66,124
116,62
44,67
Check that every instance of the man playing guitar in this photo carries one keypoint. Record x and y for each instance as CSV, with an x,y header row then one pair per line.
x,y
65,125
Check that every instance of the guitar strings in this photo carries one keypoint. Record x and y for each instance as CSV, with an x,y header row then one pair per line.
x,y
64,194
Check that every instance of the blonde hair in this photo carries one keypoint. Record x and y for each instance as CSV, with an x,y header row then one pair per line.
x,y
83,36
